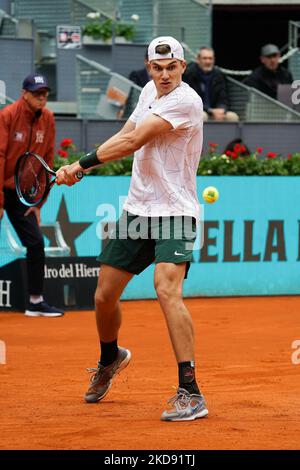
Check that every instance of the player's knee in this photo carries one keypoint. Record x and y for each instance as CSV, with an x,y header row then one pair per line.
x,y
103,297
167,292
99,298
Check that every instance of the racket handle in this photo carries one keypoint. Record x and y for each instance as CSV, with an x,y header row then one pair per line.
x,y
79,175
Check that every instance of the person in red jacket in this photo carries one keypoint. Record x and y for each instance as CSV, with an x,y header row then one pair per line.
x,y
27,125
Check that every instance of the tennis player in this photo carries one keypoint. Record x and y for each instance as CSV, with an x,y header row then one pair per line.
x,y
165,132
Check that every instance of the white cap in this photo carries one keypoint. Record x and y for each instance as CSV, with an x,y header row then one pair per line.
x,y
176,49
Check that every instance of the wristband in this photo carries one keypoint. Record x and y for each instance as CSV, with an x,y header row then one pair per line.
x,y
89,160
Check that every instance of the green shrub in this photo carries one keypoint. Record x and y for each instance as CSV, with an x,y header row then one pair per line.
x,y
271,164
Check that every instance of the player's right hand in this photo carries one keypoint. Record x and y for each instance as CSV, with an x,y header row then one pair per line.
x,y
67,174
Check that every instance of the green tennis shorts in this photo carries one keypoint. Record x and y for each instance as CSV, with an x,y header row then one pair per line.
x,y
135,242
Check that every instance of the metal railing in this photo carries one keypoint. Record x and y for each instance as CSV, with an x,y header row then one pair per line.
x,y
294,60
167,17
92,80
204,3
109,7
145,32
252,105
46,15
249,103
81,8
5,100
190,21
293,34
8,24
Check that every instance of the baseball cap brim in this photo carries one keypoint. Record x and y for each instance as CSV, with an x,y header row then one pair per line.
x,y
269,49
37,87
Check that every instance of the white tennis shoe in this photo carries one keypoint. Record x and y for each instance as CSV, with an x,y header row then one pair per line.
x,y
185,407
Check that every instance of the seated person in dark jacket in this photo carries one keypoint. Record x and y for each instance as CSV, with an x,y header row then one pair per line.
x,y
141,77
270,73
210,83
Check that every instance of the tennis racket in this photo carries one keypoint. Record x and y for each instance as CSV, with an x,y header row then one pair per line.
x,y
34,179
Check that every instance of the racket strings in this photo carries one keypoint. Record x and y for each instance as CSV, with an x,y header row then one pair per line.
x,y
33,179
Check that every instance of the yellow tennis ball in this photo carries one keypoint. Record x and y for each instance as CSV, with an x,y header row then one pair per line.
x,y
210,194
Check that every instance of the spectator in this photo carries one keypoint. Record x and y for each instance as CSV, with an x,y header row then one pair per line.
x,y
210,83
27,126
141,77
270,73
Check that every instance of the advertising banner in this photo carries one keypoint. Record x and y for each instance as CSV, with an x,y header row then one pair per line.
x,y
249,242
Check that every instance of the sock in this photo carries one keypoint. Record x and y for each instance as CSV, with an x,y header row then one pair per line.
x,y
109,352
36,299
187,380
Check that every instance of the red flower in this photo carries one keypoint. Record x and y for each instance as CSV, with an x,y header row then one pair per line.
x,y
234,155
237,148
65,143
259,149
243,149
213,144
271,155
290,155
62,153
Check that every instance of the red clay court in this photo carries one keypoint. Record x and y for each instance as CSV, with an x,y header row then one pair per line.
x,y
243,354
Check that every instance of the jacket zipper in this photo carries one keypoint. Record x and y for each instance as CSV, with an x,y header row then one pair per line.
x,y
30,134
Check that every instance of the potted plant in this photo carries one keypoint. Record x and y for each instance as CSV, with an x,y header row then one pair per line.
x,y
124,32
98,31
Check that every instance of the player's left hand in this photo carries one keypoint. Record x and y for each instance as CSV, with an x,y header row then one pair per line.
x,y
67,174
